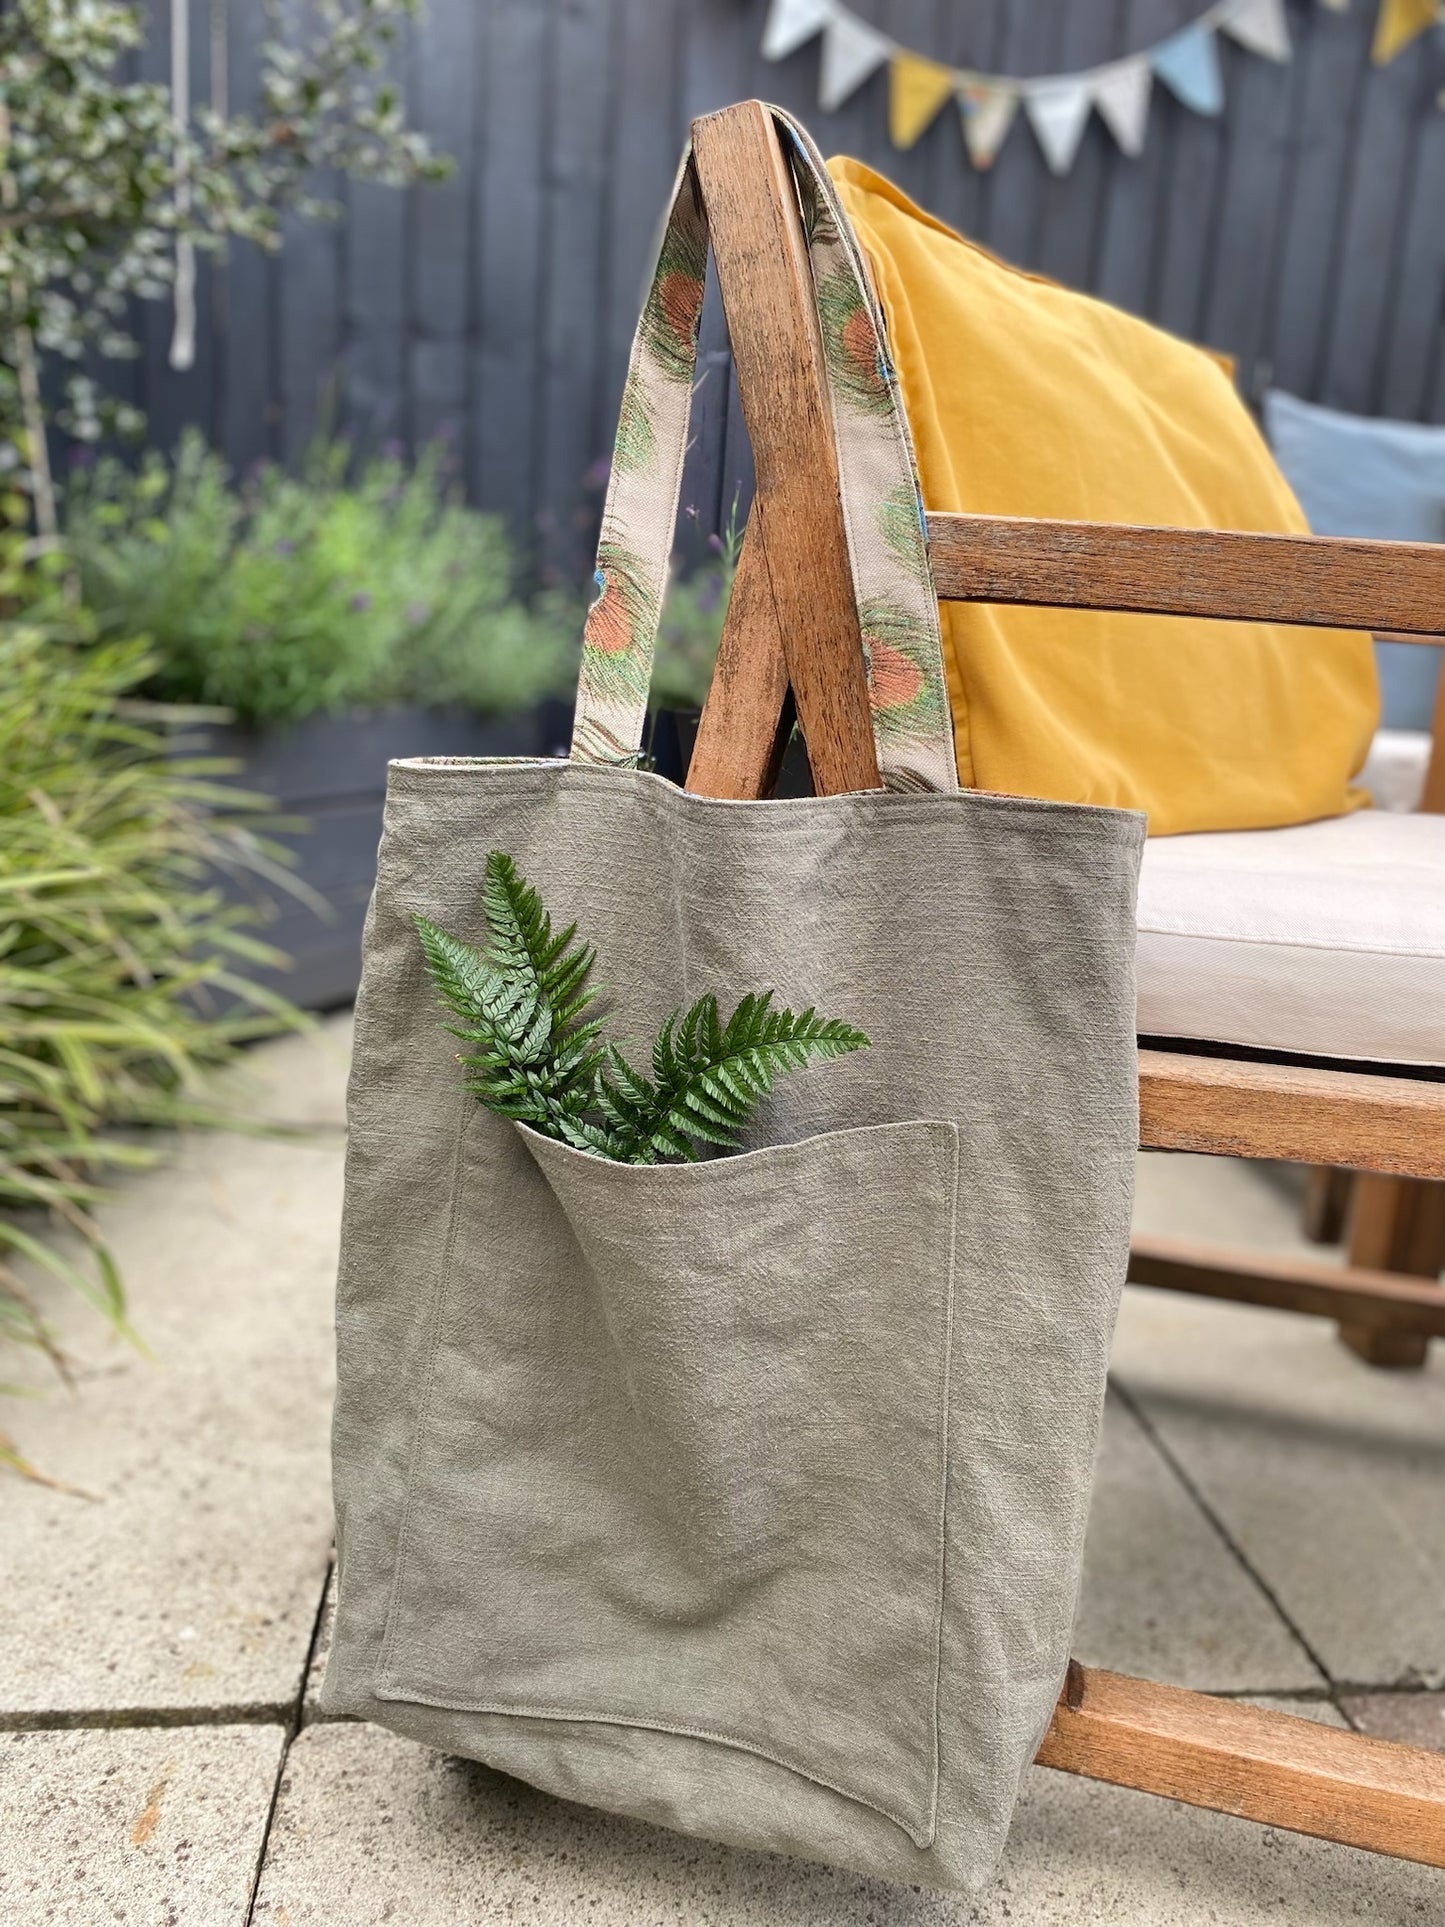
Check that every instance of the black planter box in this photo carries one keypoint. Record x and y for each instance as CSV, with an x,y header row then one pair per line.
x,y
330,771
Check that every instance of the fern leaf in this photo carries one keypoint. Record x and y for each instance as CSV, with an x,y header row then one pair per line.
x,y
455,968
707,1076
520,1005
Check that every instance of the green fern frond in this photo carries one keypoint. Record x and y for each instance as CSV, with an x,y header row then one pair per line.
x,y
708,1076
520,1005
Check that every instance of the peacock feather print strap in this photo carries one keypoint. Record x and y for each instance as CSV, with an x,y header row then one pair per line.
x,y
882,506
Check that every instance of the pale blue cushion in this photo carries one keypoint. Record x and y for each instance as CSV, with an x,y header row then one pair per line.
x,y
1379,479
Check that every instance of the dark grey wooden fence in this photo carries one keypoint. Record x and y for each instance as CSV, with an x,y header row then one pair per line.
x,y
1303,231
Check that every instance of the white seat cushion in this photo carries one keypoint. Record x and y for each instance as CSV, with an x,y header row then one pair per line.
x,y
1396,767
1328,938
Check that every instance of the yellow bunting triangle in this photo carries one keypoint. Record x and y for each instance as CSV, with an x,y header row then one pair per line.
x,y
1400,22
916,90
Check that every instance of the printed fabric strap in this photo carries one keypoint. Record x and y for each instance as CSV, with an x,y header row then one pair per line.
x,y
882,506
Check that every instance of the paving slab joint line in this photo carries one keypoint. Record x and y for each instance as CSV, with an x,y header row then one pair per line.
x,y
1381,1688
1301,1695
294,1715
1227,1539
87,1718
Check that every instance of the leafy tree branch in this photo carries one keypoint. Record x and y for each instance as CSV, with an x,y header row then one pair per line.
x,y
99,180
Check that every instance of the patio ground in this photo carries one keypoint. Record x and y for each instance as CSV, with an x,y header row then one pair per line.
x,y
1269,1521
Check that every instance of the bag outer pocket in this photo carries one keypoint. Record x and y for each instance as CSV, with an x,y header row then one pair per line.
x,y
681,1462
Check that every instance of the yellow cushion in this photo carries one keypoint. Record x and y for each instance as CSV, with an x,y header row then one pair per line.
x,y
1028,399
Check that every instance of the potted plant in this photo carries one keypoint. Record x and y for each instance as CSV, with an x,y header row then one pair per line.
x,y
353,613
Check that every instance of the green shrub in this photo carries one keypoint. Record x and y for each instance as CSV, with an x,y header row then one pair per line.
x,y
692,623
120,960
313,592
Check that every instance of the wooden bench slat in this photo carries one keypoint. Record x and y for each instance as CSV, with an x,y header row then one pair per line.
x,y
1234,1108
1372,1300
1311,580
1233,1758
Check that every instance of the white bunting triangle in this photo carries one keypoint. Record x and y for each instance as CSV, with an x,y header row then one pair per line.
x,y
988,113
1058,112
1259,25
791,23
851,51
1121,94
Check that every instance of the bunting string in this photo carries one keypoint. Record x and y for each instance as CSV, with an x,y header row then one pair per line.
x,y
1056,106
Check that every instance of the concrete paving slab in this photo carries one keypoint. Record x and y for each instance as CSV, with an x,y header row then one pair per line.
x,y
301,1079
148,1826
1163,1594
191,1577
1414,1719
370,1829
1326,1474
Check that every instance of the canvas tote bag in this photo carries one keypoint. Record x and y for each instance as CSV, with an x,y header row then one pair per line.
x,y
746,1497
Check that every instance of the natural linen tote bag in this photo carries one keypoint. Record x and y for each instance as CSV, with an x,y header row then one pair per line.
x,y
745,1496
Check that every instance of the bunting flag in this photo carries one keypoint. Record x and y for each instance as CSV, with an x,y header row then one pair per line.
x,y
1259,25
1057,106
1188,64
1121,94
792,23
851,51
1398,23
1058,113
988,113
916,90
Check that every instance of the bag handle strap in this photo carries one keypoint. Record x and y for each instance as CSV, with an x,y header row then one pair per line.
x,y
882,506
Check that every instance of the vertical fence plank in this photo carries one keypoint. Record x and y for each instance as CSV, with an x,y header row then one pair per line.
x,y
248,410
573,437
1333,56
1073,206
375,400
1411,339
1019,181
509,213
1265,98
972,38
1194,158
1370,234
1134,191
308,327
448,54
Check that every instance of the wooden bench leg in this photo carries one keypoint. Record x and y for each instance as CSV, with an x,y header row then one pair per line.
x,y
1396,1224
1327,1204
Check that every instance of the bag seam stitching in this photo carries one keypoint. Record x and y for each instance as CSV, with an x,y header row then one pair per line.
x,y
391,1691
944,1393
438,1319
